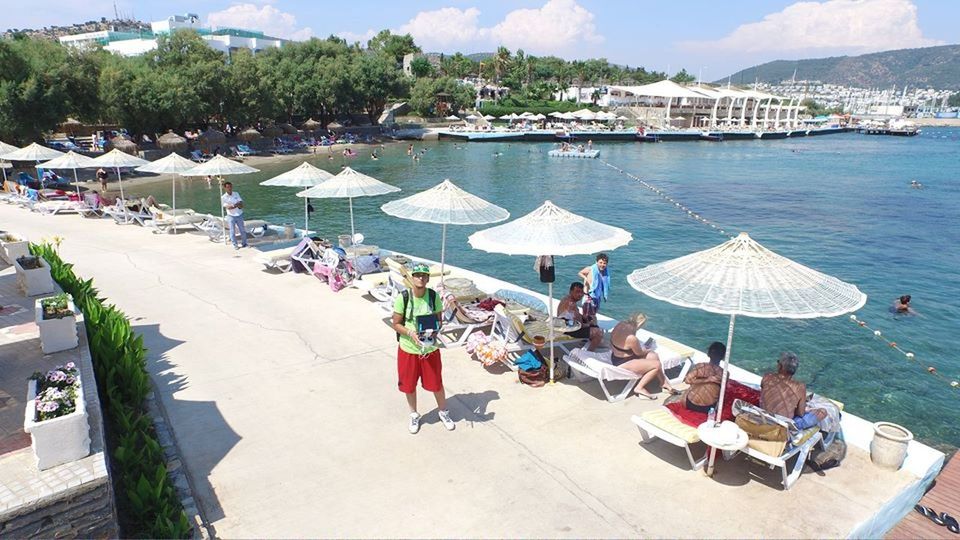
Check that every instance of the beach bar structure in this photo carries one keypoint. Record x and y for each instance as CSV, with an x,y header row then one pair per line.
x,y
707,107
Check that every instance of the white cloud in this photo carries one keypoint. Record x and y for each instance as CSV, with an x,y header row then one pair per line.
x,y
853,26
557,27
266,18
362,38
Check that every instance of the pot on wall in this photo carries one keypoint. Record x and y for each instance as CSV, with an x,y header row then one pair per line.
x,y
34,281
888,449
12,246
58,440
56,334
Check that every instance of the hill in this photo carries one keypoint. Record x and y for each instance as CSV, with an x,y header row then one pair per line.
x,y
933,67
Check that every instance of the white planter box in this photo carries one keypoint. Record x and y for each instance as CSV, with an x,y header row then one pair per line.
x,y
35,281
11,249
60,440
56,334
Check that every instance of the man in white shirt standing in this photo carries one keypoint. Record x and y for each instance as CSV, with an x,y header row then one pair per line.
x,y
233,204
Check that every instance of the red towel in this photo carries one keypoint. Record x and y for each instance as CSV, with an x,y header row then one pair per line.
x,y
734,391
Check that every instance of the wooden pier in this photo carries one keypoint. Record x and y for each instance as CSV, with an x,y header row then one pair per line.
x,y
944,497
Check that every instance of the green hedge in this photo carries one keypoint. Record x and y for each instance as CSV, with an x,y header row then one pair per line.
x,y
147,501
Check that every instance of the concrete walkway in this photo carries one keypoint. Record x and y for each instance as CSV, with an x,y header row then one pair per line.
x,y
282,395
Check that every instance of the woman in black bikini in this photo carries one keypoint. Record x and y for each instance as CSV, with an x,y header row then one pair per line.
x,y
629,353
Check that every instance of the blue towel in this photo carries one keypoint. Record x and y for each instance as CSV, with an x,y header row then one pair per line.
x,y
528,361
599,283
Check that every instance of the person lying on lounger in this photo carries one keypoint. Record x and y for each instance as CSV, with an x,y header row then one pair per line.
x,y
629,353
569,309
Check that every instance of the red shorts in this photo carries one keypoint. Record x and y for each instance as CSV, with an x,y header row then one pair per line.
x,y
413,367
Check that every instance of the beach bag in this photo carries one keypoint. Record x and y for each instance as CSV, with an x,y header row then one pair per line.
x,y
821,460
535,378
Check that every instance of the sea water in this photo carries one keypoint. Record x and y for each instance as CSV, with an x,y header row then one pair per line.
x,y
840,204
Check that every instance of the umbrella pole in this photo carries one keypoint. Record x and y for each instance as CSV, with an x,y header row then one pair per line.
x,y
550,322
223,220
4,170
306,215
723,389
443,250
119,179
76,182
352,232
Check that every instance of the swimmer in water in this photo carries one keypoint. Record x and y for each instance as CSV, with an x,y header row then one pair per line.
x,y
916,185
497,154
902,305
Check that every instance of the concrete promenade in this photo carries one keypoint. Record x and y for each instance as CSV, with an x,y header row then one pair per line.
x,y
282,396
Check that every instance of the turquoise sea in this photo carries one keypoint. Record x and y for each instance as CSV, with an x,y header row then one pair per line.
x,y
840,204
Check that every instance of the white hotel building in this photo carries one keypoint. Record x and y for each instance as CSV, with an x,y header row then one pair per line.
x,y
137,43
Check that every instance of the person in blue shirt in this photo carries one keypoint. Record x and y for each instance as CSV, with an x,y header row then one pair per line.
x,y
596,280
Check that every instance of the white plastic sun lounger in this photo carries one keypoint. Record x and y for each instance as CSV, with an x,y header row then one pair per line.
x,y
597,365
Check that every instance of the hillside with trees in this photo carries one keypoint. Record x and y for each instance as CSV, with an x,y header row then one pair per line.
x,y
928,67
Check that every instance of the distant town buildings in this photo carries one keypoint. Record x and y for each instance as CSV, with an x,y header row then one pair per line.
x,y
130,40
910,102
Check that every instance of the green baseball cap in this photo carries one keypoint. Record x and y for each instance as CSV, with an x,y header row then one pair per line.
x,y
420,268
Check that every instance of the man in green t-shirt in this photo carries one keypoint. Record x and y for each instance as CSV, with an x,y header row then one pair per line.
x,y
418,358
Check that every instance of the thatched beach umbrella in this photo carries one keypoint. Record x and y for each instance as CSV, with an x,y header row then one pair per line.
x,y
71,126
334,125
311,125
272,131
288,128
173,142
211,138
249,135
122,144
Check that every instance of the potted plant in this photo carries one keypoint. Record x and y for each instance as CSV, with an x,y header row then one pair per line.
x,y
56,417
12,246
56,317
33,275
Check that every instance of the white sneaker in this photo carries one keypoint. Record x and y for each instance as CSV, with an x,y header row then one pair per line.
x,y
447,421
414,423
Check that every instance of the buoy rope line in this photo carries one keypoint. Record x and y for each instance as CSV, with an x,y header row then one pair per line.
x,y
911,357
663,195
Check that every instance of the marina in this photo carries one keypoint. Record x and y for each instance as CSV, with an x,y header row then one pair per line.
x,y
546,135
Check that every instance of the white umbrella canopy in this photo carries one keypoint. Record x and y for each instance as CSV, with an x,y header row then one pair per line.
x,y
556,114
116,159
349,184
220,166
6,149
550,230
70,160
446,204
303,176
172,163
741,277
452,117
489,117
472,117
32,152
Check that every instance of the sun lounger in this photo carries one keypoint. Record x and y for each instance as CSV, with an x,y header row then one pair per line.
x,y
660,423
128,212
517,336
51,208
597,365
166,220
243,150
281,259
215,227
459,323
799,445
198,156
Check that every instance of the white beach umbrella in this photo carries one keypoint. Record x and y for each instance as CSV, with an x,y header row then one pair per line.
x,y
556,114
525,114
32,152
5,149
303,176
508,117
452,117
550,230
220,166
174,164
116,159
446,204
472,117
70,160
585,114
489,117
349,184
741,277
567,116
622,117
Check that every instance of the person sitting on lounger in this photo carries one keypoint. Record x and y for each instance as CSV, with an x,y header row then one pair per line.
x,y
781,394
704,380
569,309
629,353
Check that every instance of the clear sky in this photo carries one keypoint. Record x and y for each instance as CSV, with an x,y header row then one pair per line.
x,y
715,38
